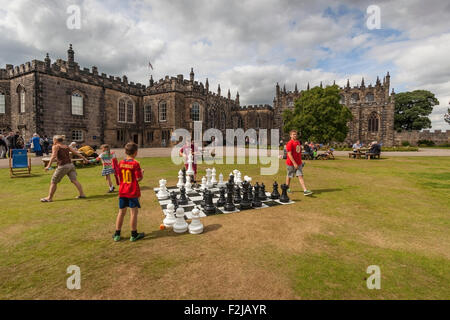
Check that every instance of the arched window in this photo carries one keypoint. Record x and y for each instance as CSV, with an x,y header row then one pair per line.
x,y
122,112
342,99
130,111
354,98
77,104
373,122
258,121
195,112
163,111
148,114
211,115
240,123
370,97
22,98
2,104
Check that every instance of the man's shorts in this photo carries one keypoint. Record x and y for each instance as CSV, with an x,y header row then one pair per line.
x,y
129,203
291,172
61,171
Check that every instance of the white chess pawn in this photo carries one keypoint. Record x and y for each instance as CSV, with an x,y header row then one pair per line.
x,y
188,184
203,186
170,220
180,225
220,184
209,184
213,178
180,179
196,226
162,194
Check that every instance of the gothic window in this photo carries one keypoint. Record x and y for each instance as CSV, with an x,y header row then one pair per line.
x,y
373,122
223,121
148,113
122,113
240,123
342,99
22,97
130,111
195,112
354,98
77,104
2,104
258,121
370,97
163,111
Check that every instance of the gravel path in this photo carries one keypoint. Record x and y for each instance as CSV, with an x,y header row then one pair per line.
x,y
166,152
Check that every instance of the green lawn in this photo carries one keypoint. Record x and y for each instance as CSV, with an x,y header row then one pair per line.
x,y
394,213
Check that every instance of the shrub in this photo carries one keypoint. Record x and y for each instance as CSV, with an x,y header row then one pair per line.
x,y
427,143
405,143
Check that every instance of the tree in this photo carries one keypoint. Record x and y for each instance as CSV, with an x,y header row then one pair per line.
x,y
319,116
412,110
447,116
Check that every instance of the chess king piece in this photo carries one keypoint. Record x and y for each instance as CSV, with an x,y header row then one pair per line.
x,y
180,179
209,207
196,226
184,175
188,184
163,194
180,225
209,184
213,176
275,194
221,202
256,201
182,200
229,205
220,184
237,195
262,192
170,220
173,197
284,197
245,202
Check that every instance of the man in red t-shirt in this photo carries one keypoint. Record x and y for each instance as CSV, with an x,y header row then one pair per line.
x,y
130,173
294,162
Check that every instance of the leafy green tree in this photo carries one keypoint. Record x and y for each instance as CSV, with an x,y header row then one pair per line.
x,y
412,110
319,116
447,116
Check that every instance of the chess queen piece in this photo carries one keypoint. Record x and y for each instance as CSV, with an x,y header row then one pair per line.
x,y
170,220
196,226
180,225
180,179
275,194
284,196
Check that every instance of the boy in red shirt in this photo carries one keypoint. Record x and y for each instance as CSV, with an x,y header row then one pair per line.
x,y
130,173
294,162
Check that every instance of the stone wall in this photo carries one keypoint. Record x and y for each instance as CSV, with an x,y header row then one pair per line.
x,y
5,119
437,136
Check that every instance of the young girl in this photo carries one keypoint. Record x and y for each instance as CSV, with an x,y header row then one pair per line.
x,y
107,157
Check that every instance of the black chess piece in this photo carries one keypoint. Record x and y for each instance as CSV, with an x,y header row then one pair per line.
x,y
262,192
209,207
245,202
183,200
231,179
203,202
275,194
284,197
229,186
221,202
250,192
237,195
256,203
173,198
184,174
229,205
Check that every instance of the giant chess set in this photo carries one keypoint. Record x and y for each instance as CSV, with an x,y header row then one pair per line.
x,y
214,196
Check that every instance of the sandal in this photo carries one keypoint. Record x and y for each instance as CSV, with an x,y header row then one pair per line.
x,y
81,197
45,200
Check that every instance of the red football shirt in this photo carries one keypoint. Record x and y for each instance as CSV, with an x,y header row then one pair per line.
x,y
295,147
129,173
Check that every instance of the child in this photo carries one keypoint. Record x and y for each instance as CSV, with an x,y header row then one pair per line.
x,y
107,157
129,192
294,162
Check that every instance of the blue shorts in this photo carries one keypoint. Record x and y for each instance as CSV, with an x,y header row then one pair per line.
x,y
129,202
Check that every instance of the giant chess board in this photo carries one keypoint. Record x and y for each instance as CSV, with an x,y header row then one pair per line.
x,y
196,196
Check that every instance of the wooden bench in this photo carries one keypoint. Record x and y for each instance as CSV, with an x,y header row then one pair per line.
x,y
356,155
372,155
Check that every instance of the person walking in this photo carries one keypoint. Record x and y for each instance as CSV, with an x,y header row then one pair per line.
x,y
36,142
294,162
61,154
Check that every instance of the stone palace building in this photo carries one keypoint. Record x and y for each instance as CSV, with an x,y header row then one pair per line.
x,y
92,108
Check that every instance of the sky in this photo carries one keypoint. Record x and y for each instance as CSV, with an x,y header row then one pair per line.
x,y
246,45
